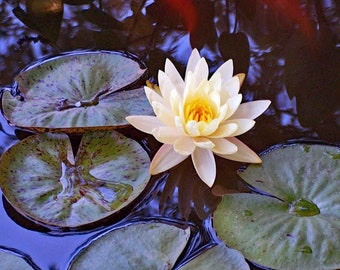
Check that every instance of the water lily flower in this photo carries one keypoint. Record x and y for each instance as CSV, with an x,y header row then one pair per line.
x,y
200,117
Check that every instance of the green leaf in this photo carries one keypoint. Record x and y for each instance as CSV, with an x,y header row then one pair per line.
x,y
12,262
42,179
78,92
300,171
299,228
218,257
139,246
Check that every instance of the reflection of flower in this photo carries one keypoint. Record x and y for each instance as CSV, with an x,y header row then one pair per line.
x,y
199,117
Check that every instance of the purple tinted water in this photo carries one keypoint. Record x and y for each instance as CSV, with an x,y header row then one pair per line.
x,y
292,58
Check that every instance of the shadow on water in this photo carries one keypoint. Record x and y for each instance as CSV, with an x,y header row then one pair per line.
x,y
290,51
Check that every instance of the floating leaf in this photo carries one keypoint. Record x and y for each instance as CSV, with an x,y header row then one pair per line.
x,y
218,257
299,171
139,246
42,179
299,228
13,262
78,92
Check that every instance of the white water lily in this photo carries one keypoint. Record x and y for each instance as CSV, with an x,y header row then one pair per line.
x,y
199,117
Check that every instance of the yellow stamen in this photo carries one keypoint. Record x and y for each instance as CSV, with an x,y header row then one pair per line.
x,y
199,110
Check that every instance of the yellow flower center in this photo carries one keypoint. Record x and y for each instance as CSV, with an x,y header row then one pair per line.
x,y
198,110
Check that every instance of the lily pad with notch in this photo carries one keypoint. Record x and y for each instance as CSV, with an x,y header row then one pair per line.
x,y
79,91
44,181
295,222
152,245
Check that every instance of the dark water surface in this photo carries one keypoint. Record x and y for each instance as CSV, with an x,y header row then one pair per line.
x,y
289,49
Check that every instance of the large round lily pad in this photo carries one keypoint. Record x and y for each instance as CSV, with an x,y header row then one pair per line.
x,y
218,257
78,92
140,246
11,261
43,180
299,228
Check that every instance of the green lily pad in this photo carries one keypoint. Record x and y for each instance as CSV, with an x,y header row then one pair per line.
x,y
78,92
139,246
10,261
43,180
299,228
218,257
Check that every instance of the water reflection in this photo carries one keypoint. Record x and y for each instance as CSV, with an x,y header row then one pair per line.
x,y
289,50
36,14
7,135
288,56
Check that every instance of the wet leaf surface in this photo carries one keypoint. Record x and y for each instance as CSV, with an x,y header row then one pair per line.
x,y
78,92
300,228
139,246
43,180
151,245
154,36
218,257
13,262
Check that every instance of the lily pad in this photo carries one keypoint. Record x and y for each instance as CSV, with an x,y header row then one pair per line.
x,y
298,226
139,246
43,180
218,257
9,260
78,92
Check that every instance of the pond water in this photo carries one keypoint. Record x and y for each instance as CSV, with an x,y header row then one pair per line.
x,y
290,51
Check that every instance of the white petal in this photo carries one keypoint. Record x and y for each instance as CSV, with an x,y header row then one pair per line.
x,y
203,142
192,62
184,145
179,124
223,146
166,134
165,158
174,76
233,103
216,82
163,113
144,123
192,128
165,85
224,130
223,112
189,89
243,154
175,102
207,129
230,89
215,97
152,95
243,125
204,162
251,110
201,72
226,71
